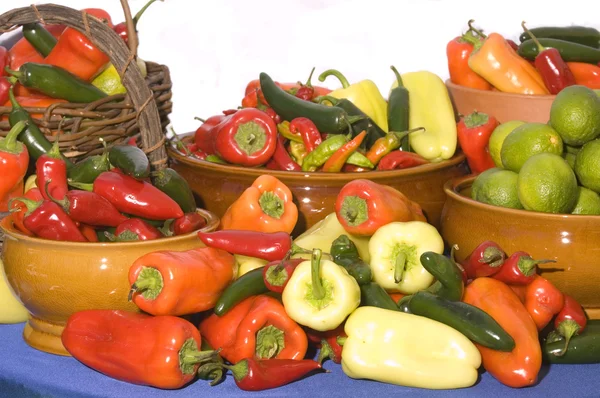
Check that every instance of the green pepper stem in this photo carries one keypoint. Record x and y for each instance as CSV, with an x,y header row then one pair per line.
x,y
81,185
322,98
567,328
341,340
269,342
401,134
308,82
139,14
315,271
10,143
200,119
180,143
64,203
398,77
399,267
473,29
535,40
353,119
13,72
330,72
271,204
54,152
149,283
29,203
13,100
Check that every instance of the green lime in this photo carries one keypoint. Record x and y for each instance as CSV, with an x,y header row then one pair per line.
x,y
570,158
547,184
497,187
497,138
527,140
575,115
588,202
587,165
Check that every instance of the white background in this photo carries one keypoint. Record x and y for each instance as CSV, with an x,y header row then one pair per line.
x,y
215,47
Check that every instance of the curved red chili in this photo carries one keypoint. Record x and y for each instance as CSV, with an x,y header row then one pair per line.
x,y
311,137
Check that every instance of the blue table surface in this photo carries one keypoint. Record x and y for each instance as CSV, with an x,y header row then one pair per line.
x,y
26,372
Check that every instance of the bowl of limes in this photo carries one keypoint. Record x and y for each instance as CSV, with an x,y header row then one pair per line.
x,y
542,197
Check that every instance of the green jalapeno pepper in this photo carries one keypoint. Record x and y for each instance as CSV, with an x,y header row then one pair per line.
x,y
404,304
320,154
130,159
398,106
250,284
88,169
577,34
373,295
569,51
42,40
344,252
583,348
449,282
176,187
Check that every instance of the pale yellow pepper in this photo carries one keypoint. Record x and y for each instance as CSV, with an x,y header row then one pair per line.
x,y
408,350
11,310
247,264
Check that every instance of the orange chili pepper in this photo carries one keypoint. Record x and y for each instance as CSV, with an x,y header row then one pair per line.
x,y
257,327
586,74
266,206
335,163
520,367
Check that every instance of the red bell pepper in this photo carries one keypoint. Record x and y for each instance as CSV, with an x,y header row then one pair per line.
x,y
22,51
134,229
474,133
277,274
89,208
485,260
157,351
281,159
270,246
570,321
204,137
543,300
180,282
396,160
311,137
252,374
519,269
362,206
14,160
48,220
247,138
51,174
18,209
190,222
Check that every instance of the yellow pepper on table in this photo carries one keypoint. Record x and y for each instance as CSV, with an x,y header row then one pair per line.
x,y
364,94
409,350
12,310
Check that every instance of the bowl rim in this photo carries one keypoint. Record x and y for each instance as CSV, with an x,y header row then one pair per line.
x,y
172,152
212,222
454,185
455,86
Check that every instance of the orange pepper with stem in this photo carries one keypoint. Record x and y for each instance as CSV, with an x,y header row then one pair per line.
x,y
266,206
458,51
335,163
586,74
520,367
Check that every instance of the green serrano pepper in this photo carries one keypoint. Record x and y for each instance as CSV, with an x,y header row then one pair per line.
x,y
328,119
42,40
88,169
449,282
398,106
176,187
130,159
249,284
344,253
583,348
569,51
575,34
373,295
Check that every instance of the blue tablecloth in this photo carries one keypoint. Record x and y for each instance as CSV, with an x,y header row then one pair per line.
x,y
26,372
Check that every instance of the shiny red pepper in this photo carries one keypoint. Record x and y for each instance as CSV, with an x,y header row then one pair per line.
x,y
14,160
330,346
48,220
271,113
543,300
311,137
188,223
246,138
134,229
306,91
281,159
22,51
277,274
90,208
270,246
512,43
204,137
18,209
51,174
253,374
474,133
485,260
570,321
396,160
519,269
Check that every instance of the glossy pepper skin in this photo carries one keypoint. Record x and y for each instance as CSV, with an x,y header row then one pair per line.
x,y
569,322
474,131
345,253
270,246
363,206
180,282
520,367
399,160
249,284
543,301
252,374
130,159
176,187
519,269
585,74
258,327
134,229
281,159
51,174
398,109
158,351
311,137
23,51
266,206
48,220
449,281
204,137
582,349
18,209
458,51
89,168
390,142
4,83
485,260
90,208
188,223
14,161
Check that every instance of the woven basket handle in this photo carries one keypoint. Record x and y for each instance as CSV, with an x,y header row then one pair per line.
x,y
103,37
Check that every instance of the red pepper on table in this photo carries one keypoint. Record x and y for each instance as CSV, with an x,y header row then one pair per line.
x,y
51,174
48,220
570,321
519,269
188,223
134,229
458,51
270,246
158,351
89,208
311,137
554,70
336,162
543,300
247,138
18,209
277,274
485,260
474,133
396,160
14,160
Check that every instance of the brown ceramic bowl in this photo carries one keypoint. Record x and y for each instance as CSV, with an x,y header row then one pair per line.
x,y
217,186
571,240
504,106
56,279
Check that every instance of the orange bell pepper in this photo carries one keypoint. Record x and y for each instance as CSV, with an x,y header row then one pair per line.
x,y
180,282
498,63
76,53
257,327
520,367
22,51
586,74
266,206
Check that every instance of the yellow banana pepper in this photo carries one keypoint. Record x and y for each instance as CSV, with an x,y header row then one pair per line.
x,y
396,249
430,107
408,350
322,234
247,264
12,310
364,94
320,294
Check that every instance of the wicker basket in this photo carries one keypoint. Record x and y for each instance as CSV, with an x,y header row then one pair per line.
x,y
143,111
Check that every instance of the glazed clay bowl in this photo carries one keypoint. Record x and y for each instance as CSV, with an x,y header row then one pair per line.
x,y
571,240
503,106
217,186
56,279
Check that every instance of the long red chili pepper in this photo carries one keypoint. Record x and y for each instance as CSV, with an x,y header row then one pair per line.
x,y
570,321
311,137
134,229
188,223
48,220
400,160
543,300
51,174
335,163
281,158
270,246
484,260
519,269
252,374
277,274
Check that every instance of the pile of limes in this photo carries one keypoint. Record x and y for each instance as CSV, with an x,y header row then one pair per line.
x,y
551,168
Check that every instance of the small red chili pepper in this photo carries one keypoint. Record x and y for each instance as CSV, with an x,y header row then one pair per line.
x,y
281,159
188,223
277,274
18,209
400,160
519,269
89,232
336,161
485,260
543,300
330,346
474,133
570,321
204,137
134,229
311,137
51,172
48,220
458,51
270,246
306,91
553,68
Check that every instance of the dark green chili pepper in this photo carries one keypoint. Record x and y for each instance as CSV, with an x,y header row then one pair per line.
x,y
569,51
449,281
577,34
249,284
320,154
344,253
583,348
57,82
404,304
130,159
89,168
398,107
176,187
373,295
42,40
